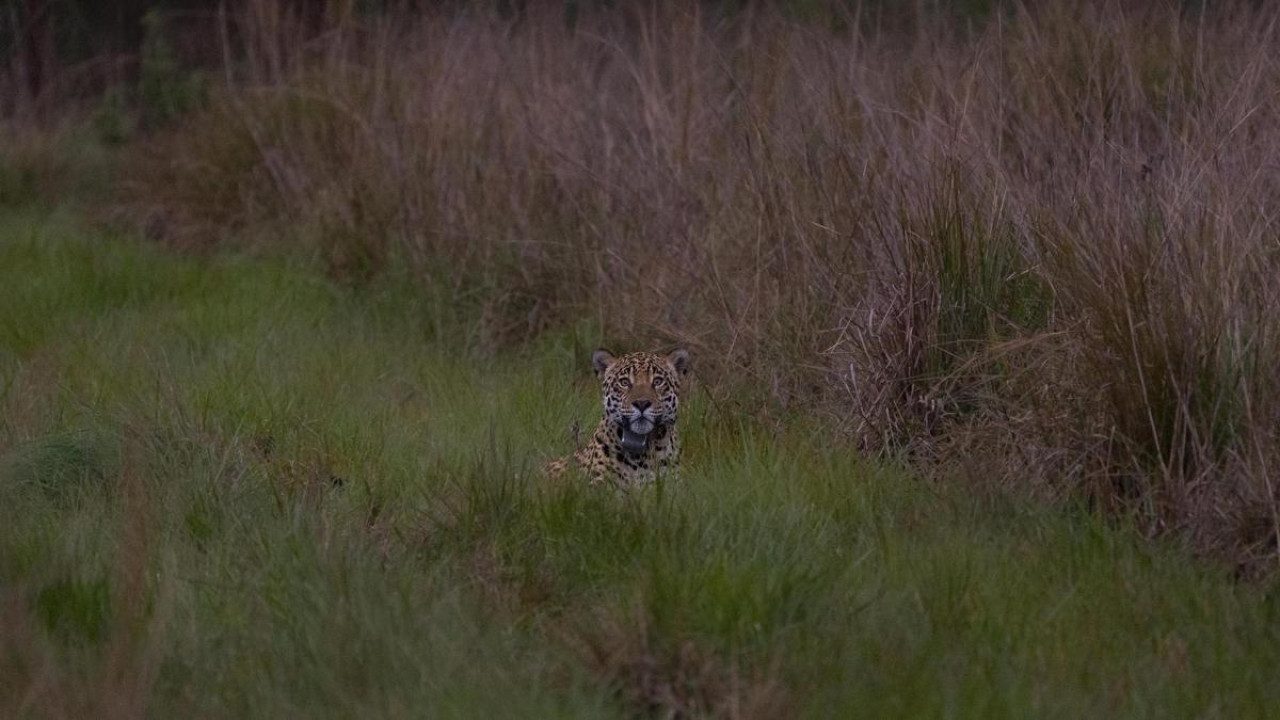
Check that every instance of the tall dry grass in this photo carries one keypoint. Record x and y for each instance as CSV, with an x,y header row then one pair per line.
x,y
1040,248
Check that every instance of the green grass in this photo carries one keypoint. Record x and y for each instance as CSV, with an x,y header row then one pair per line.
x,y
228,489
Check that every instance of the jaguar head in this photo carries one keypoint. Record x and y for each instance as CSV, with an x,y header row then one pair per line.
x,y
641,393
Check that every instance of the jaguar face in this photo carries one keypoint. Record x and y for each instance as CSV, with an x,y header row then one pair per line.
x,y
641,393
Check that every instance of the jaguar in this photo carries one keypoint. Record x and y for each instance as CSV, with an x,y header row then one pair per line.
x,y
636,440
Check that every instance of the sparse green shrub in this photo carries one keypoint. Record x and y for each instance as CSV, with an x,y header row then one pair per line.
x,y
166,90
76,611
112,122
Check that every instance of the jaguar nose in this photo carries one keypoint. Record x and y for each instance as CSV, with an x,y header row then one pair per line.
x,y
641,405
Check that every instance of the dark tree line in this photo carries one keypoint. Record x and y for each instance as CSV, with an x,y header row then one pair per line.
x,y
54,49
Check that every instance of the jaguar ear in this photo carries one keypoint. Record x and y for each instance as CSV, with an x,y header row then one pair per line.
x,y
679,359
601,360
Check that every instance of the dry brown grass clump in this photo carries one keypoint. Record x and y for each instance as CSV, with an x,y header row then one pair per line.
x,y
1047,241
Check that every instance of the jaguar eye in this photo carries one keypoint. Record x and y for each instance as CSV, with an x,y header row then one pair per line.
x,y
624,383
659,382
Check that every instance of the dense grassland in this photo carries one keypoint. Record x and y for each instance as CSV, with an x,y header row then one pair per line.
x,y
229,488
1037,245
296,298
